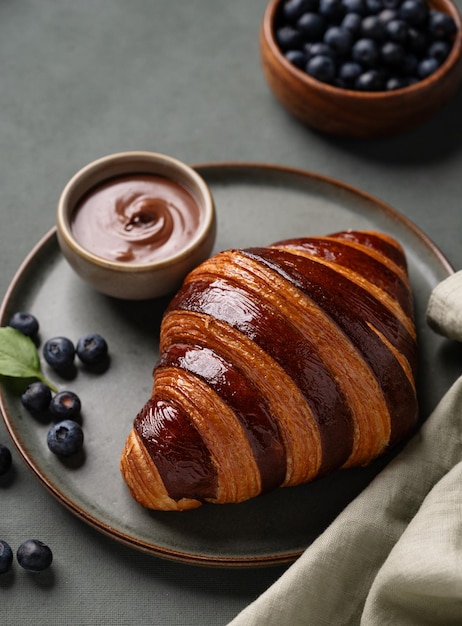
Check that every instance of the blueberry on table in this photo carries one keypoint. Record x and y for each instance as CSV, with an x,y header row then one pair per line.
x,y
36,397
59,353
25,322
65,438
6,557
65,405
92,349
34,556
5,459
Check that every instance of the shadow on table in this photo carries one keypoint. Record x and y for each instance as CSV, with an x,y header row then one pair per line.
x,y
433,141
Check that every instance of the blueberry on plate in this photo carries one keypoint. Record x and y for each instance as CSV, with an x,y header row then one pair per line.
x,y
92,349
6,557
36,397
65,405
25,322
65,438
59,353
5,459
34,556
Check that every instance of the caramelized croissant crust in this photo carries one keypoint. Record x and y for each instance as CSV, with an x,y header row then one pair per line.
x,y
277,365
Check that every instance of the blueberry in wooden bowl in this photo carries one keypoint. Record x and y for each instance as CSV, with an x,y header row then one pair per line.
x,y
362,68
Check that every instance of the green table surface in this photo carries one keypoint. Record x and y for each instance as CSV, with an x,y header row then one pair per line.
x,y
79,80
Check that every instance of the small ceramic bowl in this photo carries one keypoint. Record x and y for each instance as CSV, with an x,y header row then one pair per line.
x,y
349,113
136,280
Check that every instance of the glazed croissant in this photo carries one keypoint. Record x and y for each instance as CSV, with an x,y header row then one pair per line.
x,y
277,365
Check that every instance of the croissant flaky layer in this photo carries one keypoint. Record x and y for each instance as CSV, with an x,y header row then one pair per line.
x,y
277,365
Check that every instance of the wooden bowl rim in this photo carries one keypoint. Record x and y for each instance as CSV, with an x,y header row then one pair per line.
x,y
454,57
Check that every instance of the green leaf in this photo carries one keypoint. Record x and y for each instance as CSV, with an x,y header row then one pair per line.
x,y
19,357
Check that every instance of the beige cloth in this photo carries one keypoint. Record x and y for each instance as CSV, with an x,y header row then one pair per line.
x,y
394,555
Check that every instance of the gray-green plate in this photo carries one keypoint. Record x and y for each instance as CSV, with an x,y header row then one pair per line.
x,y
256,205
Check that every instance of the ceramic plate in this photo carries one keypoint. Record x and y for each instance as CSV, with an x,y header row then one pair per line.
x,y
256,205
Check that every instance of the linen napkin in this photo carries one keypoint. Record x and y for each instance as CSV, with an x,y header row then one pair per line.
x,y
394,555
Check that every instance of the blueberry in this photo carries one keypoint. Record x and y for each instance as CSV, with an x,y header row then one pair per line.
x,y
391,4
5,459
374,6
352,23
396,30
414,12
296,57
332,10
311,26
372,80
6,557
34,556
396,82
25,323
36,397
441,25
65,438
357,7
59,353
349,72
92,349
318,48
409,65
427,67
417,40
339,39
365,52
439,50
293,9
288,38
392,54
387,15
322,68
65,405
373,28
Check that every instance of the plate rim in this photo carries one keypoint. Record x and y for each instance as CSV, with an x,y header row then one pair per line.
x,y
99,524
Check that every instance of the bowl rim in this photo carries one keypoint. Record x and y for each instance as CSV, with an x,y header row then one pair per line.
x,y
149,162
446,6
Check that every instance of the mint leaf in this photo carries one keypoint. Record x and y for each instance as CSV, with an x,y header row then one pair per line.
x,y
19,357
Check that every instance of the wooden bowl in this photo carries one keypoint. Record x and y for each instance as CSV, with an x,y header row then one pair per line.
x,y
349,113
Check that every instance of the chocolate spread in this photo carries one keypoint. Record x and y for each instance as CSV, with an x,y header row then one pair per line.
x,y
136,219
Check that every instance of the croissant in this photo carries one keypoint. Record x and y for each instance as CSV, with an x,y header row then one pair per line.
x,y
277,365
